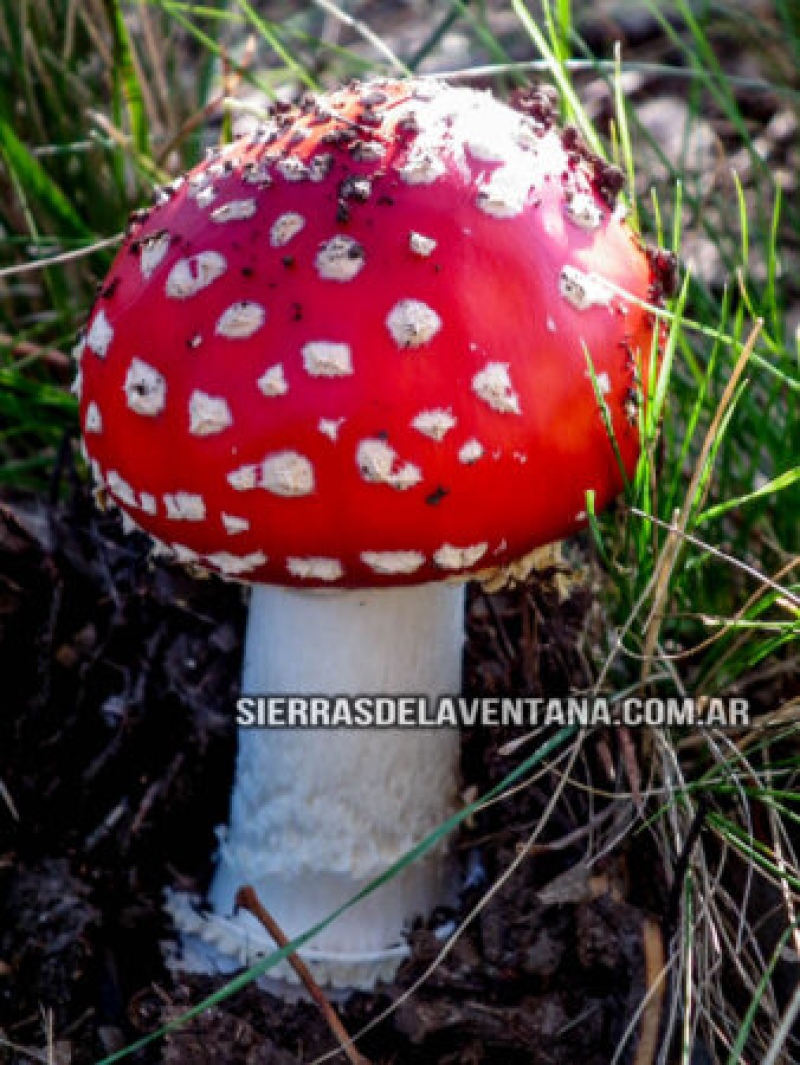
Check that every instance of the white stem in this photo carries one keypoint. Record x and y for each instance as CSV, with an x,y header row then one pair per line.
x,y
317,814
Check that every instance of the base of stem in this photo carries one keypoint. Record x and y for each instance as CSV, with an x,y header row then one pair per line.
x,y
317,815
212,944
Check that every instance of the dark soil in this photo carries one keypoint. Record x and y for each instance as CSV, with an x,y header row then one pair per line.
x,y
116,757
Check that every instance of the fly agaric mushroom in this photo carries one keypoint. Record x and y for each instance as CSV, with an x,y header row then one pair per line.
x,y
349,352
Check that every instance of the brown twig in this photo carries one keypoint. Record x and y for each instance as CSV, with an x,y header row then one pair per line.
x,y
629,760
655,970
231,81
248,900
26,350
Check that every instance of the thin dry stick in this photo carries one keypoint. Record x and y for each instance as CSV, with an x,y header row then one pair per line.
x,y
784,864
655,970
789,714
94,22
562,842
156,50
26,350
26,1052
199,118
783,1033
628,752
248,900
364,31
118,136
69,31
5,795
63,257
232,80
769,582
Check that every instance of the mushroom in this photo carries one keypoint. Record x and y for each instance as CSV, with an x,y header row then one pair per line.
x,y
345,360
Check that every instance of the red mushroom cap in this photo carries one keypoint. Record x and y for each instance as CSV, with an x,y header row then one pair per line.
x,y
351,348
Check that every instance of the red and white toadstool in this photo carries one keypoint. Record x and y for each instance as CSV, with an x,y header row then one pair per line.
x,y
348,353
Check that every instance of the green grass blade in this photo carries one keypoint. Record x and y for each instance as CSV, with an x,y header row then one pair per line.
x,y
126,80
777,484
269,33
40,187
559,74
